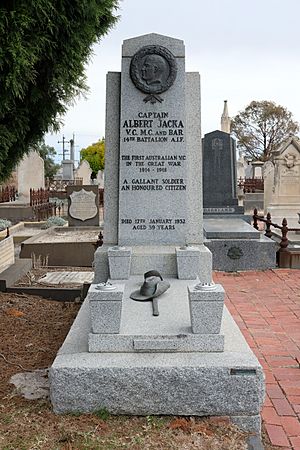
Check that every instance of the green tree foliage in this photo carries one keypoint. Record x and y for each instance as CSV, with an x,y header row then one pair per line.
x,y
262,127
94,154
44,46
47,153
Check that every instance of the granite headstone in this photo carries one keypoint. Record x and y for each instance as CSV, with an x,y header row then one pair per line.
x,y
153,166
219,174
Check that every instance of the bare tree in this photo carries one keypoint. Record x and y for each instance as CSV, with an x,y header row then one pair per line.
x,y
262,127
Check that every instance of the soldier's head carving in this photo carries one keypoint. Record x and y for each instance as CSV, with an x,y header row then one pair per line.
x,y
155,70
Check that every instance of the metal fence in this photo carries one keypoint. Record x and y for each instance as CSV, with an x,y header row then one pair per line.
x,y
251,184
7,194
282,254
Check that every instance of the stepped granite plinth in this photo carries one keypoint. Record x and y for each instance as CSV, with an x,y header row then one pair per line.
x,y
146,382
236,245
140,331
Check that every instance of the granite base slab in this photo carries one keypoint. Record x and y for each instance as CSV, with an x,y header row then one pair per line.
x,y
246,217
231,255
203,384
229,229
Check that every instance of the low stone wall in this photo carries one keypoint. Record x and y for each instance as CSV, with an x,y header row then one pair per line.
x,y
7,253
16,212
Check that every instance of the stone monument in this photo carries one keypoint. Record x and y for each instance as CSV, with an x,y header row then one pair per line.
x,y
180,353
283,198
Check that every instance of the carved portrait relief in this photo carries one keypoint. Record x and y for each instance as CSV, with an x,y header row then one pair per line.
x,y
153,70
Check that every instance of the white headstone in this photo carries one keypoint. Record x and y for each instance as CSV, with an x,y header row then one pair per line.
x,y
84,171
31,174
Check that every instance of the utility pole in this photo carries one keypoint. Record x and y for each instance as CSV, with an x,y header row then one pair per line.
x,y
63,142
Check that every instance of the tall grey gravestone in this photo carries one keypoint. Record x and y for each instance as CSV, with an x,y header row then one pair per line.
x,y
219,175
153,173
153,157
184,355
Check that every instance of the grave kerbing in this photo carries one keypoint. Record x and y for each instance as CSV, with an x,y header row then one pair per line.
x,y
133,362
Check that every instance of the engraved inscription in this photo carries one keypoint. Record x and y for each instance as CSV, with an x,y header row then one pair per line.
x,y
153,127
226,209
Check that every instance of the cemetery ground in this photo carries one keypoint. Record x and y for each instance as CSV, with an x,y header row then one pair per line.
x,y
266,306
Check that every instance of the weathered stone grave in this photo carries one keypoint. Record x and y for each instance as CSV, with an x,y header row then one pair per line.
x,y
282,182
189,357
30,174
84,171
83,205
63,246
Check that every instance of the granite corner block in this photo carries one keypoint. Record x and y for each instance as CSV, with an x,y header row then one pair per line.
x,y
105,316
206,317
119,261
206,309
105,309
188,263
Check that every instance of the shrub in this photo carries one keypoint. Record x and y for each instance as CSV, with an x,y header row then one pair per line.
x,y
4,223
54,221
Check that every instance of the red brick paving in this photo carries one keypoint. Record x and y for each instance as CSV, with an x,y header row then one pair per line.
x,y
266,307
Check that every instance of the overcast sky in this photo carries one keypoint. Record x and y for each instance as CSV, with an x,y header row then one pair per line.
x,y
244,51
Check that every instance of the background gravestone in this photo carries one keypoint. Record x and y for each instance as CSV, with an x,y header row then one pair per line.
x,y
284,200
84,172
83,205
30,174
219,174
